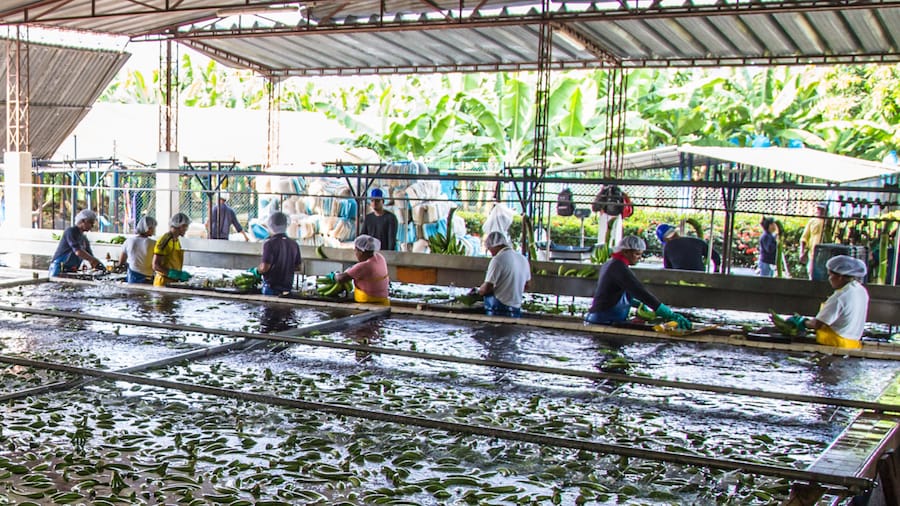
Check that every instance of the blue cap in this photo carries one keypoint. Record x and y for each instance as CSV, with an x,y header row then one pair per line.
x,y
662,230
376,193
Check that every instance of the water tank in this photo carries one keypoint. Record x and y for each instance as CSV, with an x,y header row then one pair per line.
x,y
823,252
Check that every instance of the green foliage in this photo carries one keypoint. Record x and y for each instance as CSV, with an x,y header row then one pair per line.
x,y
448,119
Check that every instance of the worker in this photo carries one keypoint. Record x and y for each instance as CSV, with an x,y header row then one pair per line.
x,y
280,257
168,257
685,253
508,276
221,219
618,289
74,247
381,223
811,236
841,319
369,274
768,248
137,252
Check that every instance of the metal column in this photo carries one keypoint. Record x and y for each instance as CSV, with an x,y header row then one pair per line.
x,y
168,106
17,91
273,121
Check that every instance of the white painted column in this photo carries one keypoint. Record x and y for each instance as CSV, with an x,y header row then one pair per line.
x,y
17,193
167,196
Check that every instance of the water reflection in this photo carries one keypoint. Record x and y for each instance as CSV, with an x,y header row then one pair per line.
x,y
276,318
365,335
500,343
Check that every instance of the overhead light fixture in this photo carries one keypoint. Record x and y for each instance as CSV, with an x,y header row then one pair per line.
x,y
257,10
570,39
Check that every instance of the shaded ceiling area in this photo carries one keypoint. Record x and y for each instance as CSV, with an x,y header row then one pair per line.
x,y
283,39
64,84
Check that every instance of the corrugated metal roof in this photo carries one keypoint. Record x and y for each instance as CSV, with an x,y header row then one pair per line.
x,y
65,82
407,36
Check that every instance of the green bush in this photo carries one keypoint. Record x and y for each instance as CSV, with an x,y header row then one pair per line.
x,y
566,230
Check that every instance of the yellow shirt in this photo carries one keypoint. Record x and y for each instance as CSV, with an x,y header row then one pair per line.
x,y
812,233
168,247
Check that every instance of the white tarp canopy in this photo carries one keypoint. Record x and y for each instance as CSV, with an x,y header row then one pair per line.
x,y
800,161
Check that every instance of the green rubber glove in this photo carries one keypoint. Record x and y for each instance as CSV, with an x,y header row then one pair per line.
x,y
255,272
636,303
331,276
799,322
666,313
174,274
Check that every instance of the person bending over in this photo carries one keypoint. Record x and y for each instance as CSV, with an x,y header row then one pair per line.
x,y
369,274
842,318
137,252
280,257
508,276
74,246
618,289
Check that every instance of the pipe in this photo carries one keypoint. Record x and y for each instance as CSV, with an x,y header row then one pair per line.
x,y
356,319
79,382
851,482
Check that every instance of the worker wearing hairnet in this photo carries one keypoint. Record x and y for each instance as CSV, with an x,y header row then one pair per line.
x,y
74,247
508,276
618,289
168,257
137,252
280,257
369,274
842,318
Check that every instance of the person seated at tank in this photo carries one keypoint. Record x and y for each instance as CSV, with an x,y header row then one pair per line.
x,y
618,289
168,257
842,317
280,258
508,276
137,252
369,274
74,247
684,252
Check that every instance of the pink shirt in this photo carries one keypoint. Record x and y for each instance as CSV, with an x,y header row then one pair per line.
x,y
371,276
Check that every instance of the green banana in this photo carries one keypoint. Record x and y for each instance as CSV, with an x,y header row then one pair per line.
x,y
645,313
320,252
783,325
695,224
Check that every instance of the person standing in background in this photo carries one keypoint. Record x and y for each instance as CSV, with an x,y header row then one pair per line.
x,y
768,247
812,235
380,223
685,253
137,252
221,218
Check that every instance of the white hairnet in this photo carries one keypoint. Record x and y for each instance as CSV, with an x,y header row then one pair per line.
x,y
224,196
179,220
85,215
367,243
494,239
847,266
278,222
630,242
145,224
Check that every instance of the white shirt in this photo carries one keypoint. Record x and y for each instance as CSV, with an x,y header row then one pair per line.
x,y
139,253
508,272
845,311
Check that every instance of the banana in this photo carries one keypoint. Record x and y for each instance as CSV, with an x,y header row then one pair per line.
x,y
695,224
320,252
